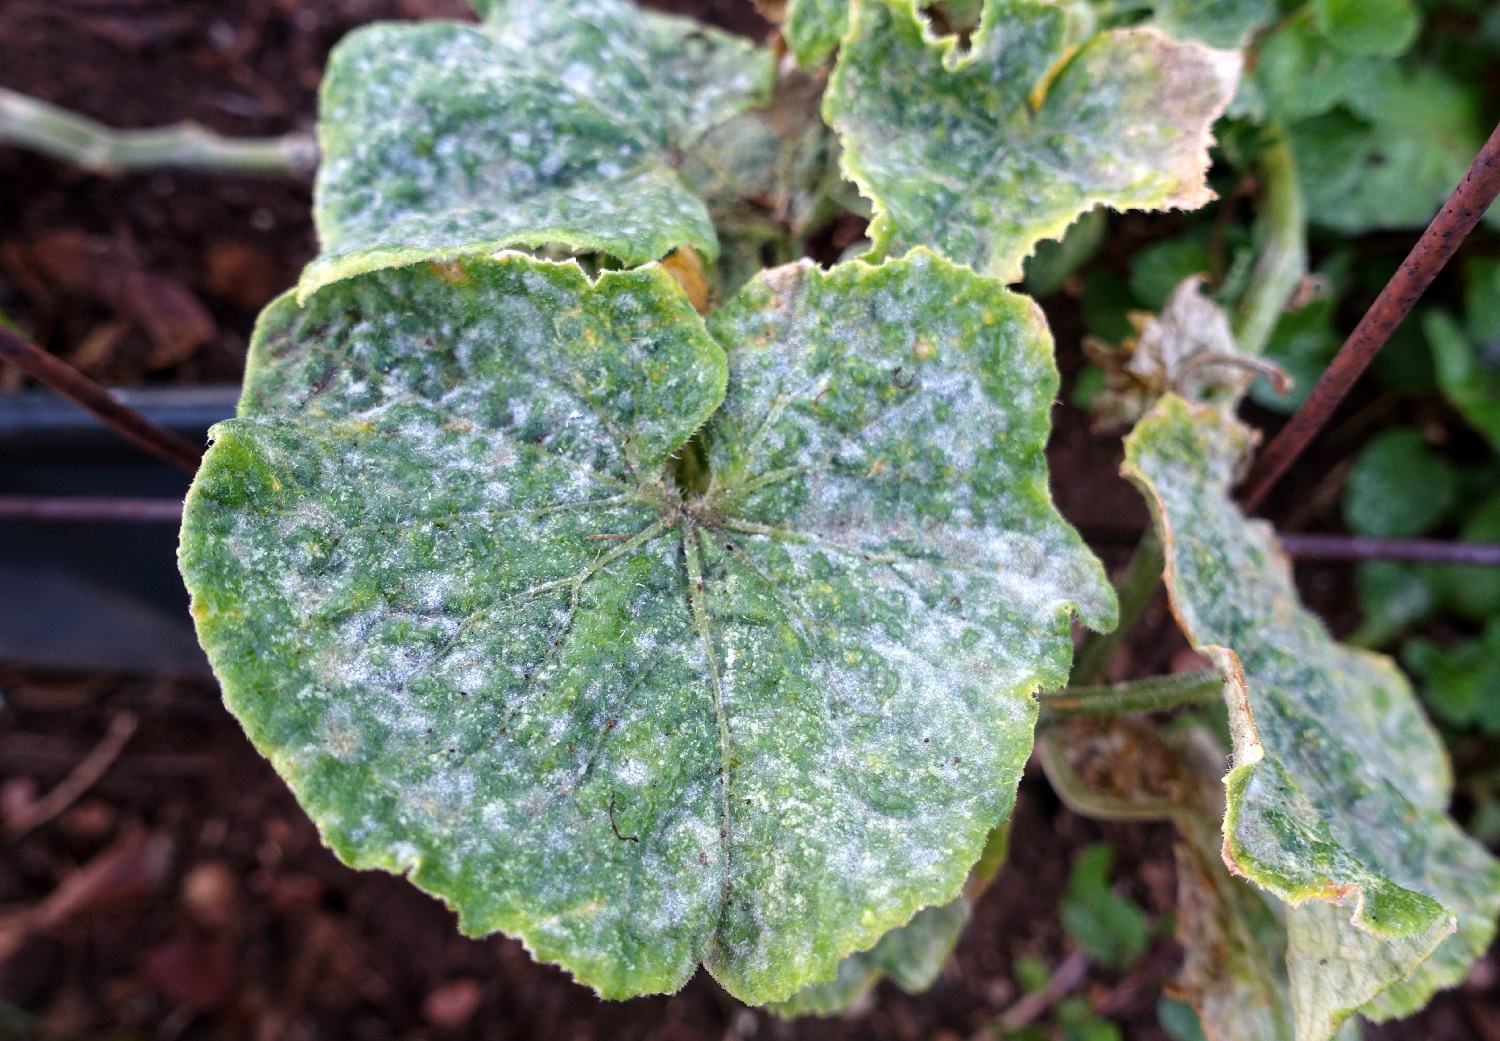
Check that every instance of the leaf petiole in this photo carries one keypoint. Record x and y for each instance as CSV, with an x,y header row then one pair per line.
x,y
1149,695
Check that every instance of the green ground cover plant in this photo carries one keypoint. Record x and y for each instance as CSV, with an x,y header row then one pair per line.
x,y
661,599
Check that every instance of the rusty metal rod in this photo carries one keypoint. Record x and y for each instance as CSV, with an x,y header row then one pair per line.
x,y
1421,551
84,392
1431,254
89,510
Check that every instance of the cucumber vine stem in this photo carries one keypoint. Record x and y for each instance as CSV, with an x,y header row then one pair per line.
x,y
1158,692
56,132
1281,238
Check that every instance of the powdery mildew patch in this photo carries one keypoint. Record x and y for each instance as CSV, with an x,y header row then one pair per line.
x,y
452,588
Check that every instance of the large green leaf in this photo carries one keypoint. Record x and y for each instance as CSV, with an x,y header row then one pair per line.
x,y
981,153
551,123
751,698
1338,796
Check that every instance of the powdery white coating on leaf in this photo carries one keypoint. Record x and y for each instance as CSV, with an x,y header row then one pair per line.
x,y
954,156
669,79
813,29
912,955
441,139
451,591
1338,799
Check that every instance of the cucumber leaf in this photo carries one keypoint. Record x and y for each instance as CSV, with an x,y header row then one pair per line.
x,y
1467,376
813,29
912,955
1218,23
1338,797
1112,929
1374,27
670,79
525,604
1377,499
1392,152
549,124
982,153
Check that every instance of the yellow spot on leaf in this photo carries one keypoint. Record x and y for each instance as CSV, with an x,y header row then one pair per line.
x,y
686,267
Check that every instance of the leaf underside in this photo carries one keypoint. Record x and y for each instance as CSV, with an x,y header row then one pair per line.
x,y
955,155
1338,799
548,124
453,590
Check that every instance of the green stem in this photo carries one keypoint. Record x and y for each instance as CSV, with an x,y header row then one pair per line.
x,y
1079,797
1190,688
1281,239
1135,590
99,149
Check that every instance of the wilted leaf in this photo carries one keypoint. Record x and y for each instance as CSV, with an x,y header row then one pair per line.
x,y
982,153
1233,971
550,123
1188,350
1233,967
644,698
1338,798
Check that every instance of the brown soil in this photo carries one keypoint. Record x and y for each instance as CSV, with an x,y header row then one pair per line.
x,y
185,895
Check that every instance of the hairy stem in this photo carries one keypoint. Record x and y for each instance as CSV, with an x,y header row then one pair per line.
x,y
1135,590
33,124
1158,692
1281,240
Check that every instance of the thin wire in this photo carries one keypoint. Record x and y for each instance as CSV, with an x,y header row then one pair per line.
x,y
76,387
1459,215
